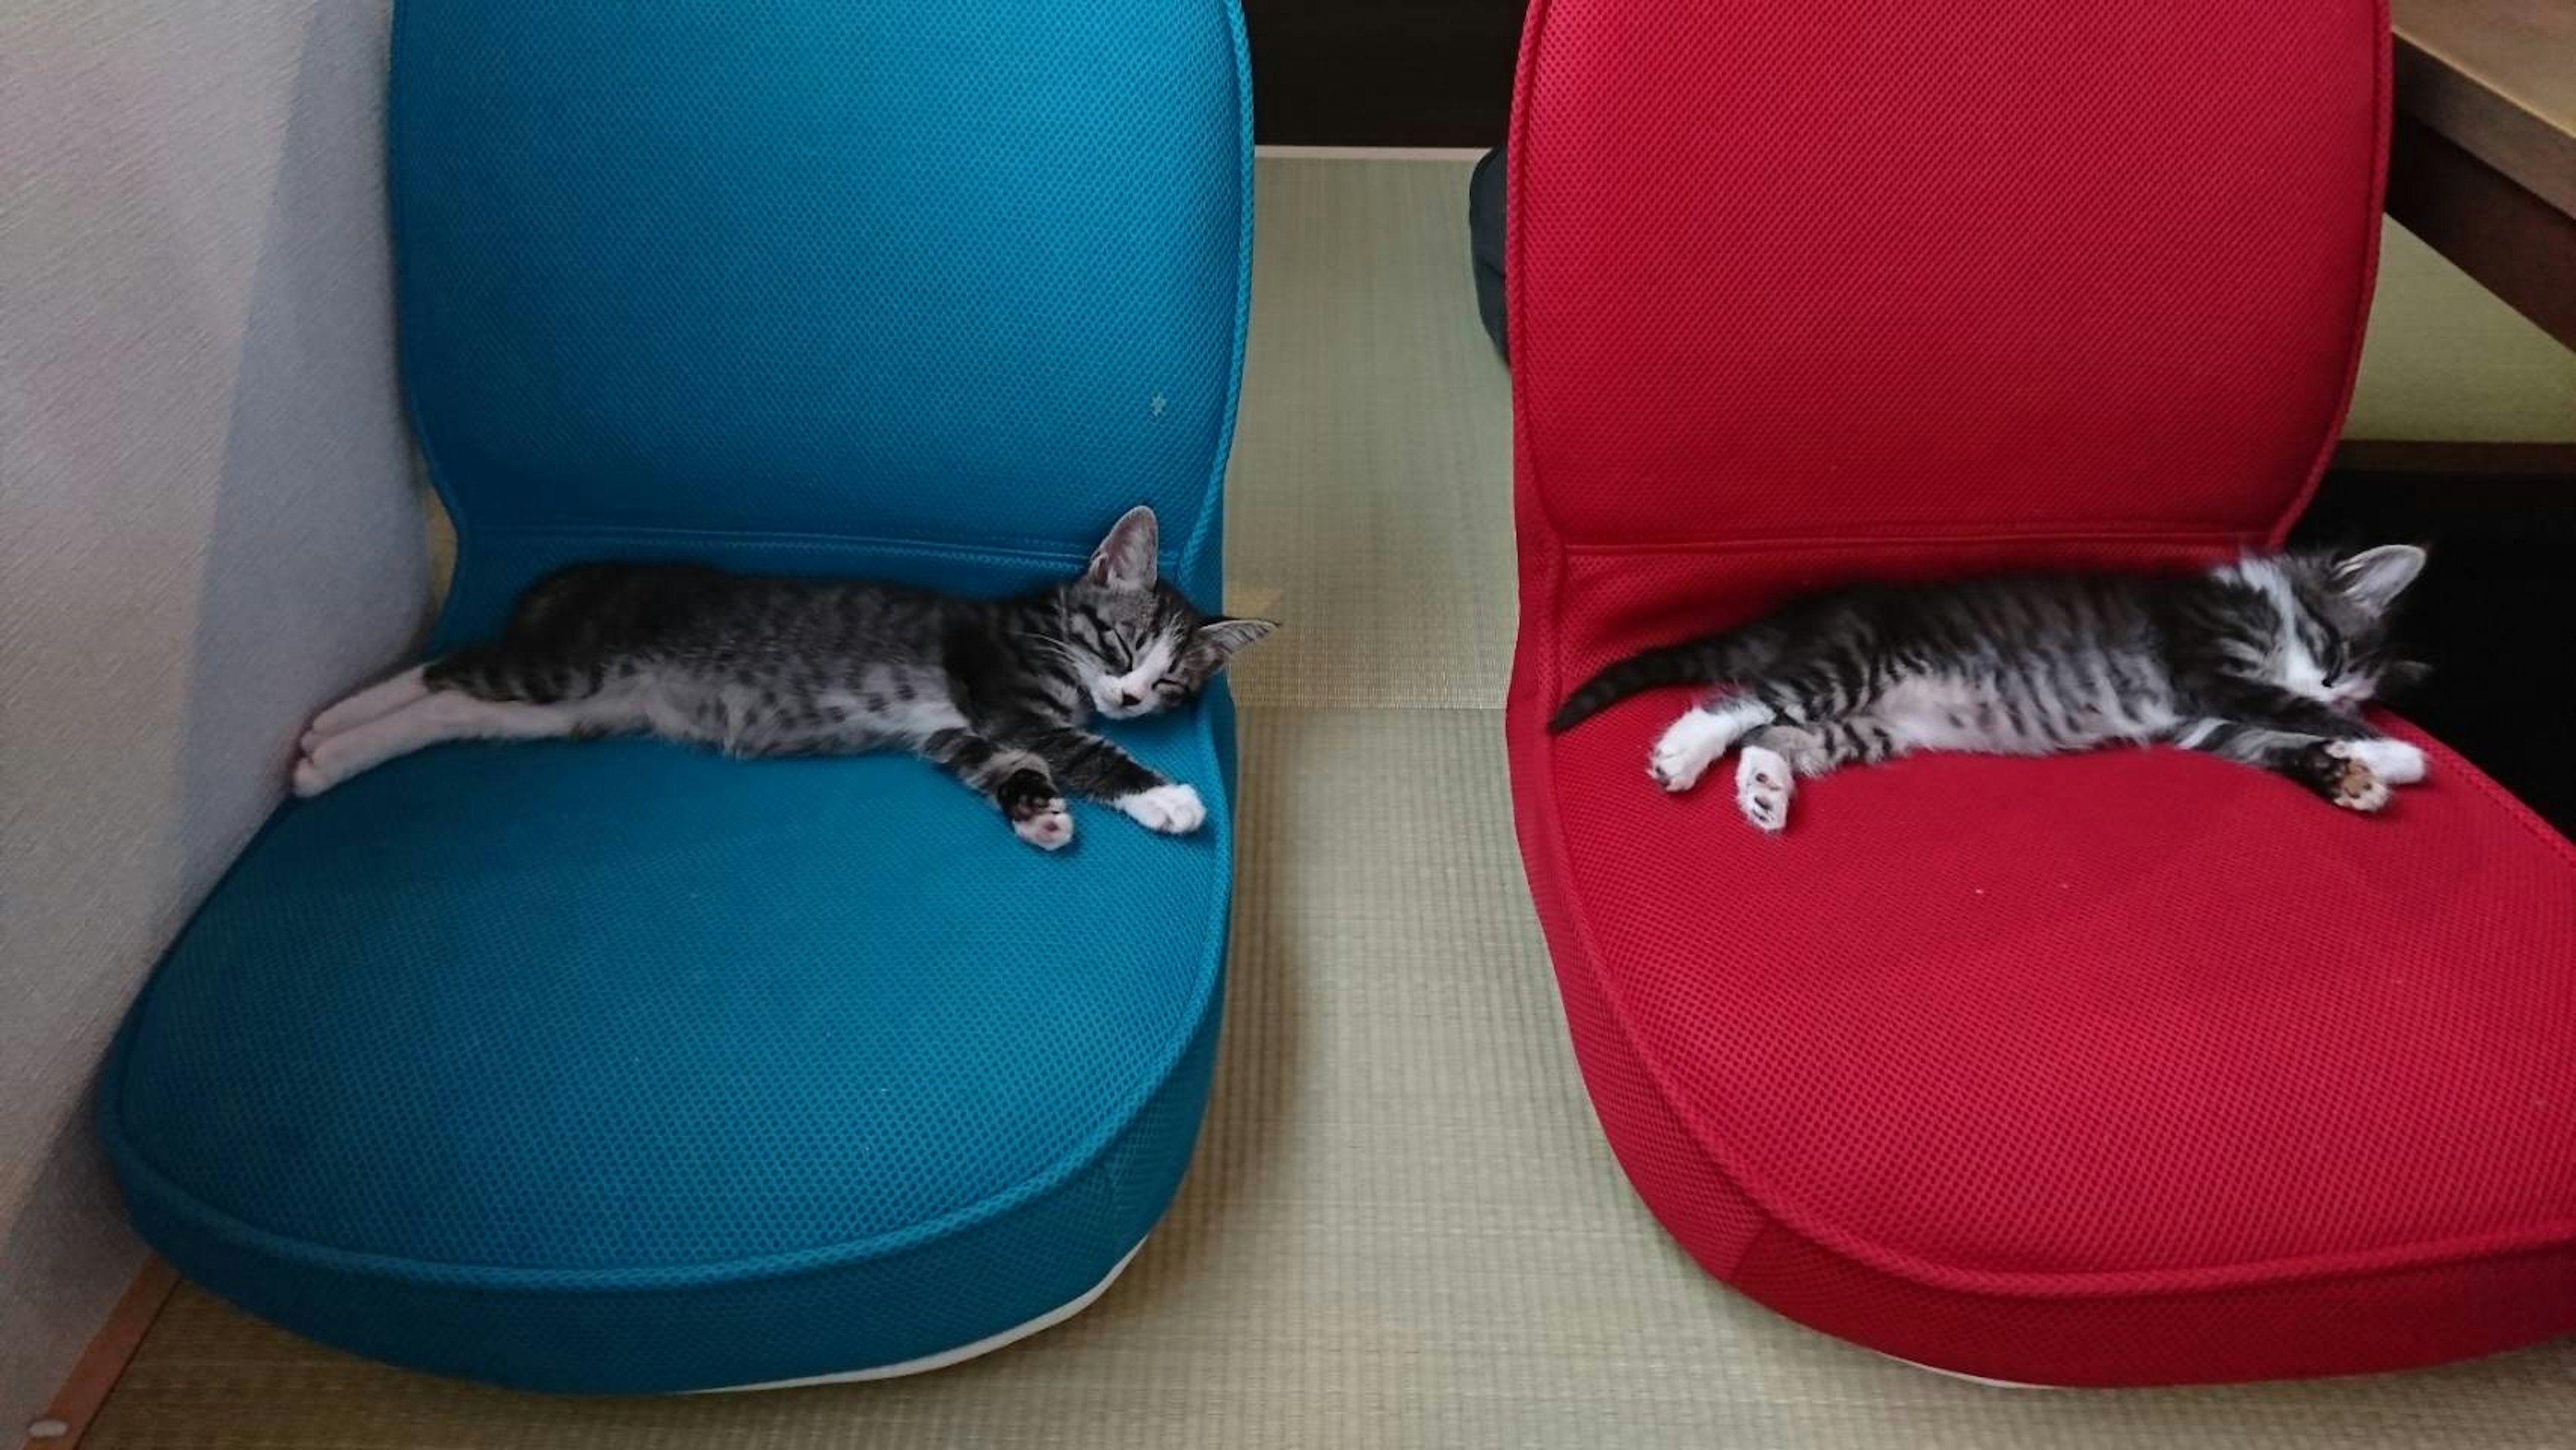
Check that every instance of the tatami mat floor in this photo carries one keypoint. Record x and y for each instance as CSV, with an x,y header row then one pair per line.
x,y
1403,1227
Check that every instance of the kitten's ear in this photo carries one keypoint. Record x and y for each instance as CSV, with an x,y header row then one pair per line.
x,y
1125,560
2374,578
1211,645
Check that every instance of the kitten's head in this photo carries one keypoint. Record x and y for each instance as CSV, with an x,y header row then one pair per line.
x,y
2331,637
1139,643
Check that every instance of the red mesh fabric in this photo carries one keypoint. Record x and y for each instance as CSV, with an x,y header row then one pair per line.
x,y
1880,269
2129,1068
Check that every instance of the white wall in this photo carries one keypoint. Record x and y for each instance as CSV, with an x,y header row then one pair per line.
x,y
206,528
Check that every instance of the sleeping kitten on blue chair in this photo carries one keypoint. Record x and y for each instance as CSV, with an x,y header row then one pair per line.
x,y
2266,661
995,691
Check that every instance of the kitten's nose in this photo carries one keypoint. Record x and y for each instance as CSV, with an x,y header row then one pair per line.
x,y
1127,699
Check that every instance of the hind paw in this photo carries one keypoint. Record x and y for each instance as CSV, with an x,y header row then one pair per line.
x,y
311,776
1763,785
1684,754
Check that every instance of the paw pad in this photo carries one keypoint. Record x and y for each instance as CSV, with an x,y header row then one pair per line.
x,y
1679,760
1762,788
2358,788
1050,829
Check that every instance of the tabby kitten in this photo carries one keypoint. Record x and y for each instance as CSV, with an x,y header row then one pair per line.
x,y
2266,661
995,691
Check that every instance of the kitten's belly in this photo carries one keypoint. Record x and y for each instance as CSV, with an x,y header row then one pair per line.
x,y
1941,713
884,705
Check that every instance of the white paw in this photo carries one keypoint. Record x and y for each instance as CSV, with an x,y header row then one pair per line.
x,y
374,702
2393,761
1686,751
310,776
2355,786
1050,829
1763,783
1173,809
2362,792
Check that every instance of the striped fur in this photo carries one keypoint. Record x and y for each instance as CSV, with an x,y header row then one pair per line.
x,y
2266,661
998,692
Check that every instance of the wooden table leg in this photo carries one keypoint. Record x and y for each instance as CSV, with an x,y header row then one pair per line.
x,y
2516,245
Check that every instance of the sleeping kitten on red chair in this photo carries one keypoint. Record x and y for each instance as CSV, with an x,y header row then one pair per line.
x,y
2266,661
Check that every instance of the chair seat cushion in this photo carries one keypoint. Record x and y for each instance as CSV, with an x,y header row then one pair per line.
x,y
622,1067
2125,1068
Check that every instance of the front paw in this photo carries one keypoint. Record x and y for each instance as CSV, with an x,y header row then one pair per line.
x,y
1049,828
1172,809
1038,814
2394,761
2339,773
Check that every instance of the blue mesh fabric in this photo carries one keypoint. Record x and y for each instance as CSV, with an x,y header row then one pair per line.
x,y
963,274
619,1067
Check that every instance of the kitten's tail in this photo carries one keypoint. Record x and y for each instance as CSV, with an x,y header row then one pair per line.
x,y
1707,660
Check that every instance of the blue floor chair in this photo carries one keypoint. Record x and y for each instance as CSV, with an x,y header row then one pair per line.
x,y
619,1067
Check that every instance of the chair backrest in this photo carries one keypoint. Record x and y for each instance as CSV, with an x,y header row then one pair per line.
x,y
849,285
1806,289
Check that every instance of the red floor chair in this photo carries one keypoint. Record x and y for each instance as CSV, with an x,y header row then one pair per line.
x,y
2120,1069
